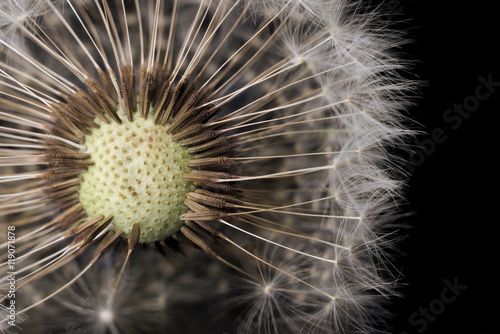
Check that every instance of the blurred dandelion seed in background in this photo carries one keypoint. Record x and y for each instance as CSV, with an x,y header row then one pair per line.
x,y
199,166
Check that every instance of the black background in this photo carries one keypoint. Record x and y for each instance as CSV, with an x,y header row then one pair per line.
x,y
453,190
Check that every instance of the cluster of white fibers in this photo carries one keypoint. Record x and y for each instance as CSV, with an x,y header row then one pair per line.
x,y
17,14
283,117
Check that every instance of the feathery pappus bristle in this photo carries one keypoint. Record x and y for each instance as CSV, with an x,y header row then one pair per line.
x,y
233,156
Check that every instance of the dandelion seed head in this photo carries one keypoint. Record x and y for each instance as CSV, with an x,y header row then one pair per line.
x,y
241,138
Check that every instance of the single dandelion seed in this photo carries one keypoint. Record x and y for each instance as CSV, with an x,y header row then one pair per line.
x,y
107,300
259,132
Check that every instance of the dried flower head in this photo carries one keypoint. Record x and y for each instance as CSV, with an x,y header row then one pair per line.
x,y
259,132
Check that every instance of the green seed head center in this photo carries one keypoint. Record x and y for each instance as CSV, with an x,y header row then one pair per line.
x,y
136,178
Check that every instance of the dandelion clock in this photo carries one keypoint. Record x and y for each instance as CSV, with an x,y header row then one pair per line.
x,y
192,166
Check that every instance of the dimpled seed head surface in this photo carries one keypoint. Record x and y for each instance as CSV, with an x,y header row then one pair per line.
x,y
136,178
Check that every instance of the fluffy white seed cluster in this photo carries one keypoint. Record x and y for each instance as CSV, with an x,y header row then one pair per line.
x,y
15,15
354,60
308,101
